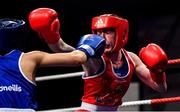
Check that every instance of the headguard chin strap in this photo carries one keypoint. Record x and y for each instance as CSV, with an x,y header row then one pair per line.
x,y
12,34
120,25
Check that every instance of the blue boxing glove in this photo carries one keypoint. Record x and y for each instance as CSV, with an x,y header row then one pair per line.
x,y
92,45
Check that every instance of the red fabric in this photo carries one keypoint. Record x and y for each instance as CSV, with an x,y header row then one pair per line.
x,y
107,89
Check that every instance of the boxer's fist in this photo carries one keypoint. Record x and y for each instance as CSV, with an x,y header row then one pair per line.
x,y
45,22
154,57
93,45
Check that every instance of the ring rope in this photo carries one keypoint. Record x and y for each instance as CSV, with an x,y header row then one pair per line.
x,y
151,101
173,61
59,76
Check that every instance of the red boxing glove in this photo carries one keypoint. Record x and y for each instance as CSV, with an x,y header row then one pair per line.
x,y
154,57
45,22
156,60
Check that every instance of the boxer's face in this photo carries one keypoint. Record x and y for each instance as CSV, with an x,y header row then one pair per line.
x,y
109,35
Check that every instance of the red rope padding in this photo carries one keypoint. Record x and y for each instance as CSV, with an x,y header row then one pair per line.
x,y
174,61
151,101
165,100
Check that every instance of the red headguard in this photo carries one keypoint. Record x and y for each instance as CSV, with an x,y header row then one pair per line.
x,y
120,25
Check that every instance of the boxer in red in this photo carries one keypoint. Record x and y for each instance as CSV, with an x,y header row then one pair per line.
x,y
107,79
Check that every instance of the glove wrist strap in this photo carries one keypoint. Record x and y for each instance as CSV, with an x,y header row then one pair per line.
x,y
158,77
88,49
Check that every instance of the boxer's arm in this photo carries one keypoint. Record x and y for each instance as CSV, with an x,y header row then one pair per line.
x,y
32,60
61,46
79,56
145,74
155,60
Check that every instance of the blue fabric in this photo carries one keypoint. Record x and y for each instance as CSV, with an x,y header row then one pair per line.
x,y
15,90
122,71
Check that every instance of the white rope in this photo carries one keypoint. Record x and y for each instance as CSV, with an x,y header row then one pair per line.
x,y
59,76
134,103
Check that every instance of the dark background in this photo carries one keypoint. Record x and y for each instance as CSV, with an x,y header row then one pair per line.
x,y
155,21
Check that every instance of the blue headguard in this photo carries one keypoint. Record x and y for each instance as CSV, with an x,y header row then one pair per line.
x,y
12,34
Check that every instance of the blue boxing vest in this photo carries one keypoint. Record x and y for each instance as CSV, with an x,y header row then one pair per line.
x,y
16,91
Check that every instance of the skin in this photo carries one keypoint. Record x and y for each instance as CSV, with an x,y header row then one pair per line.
x,y
32,60
61,46
109,37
